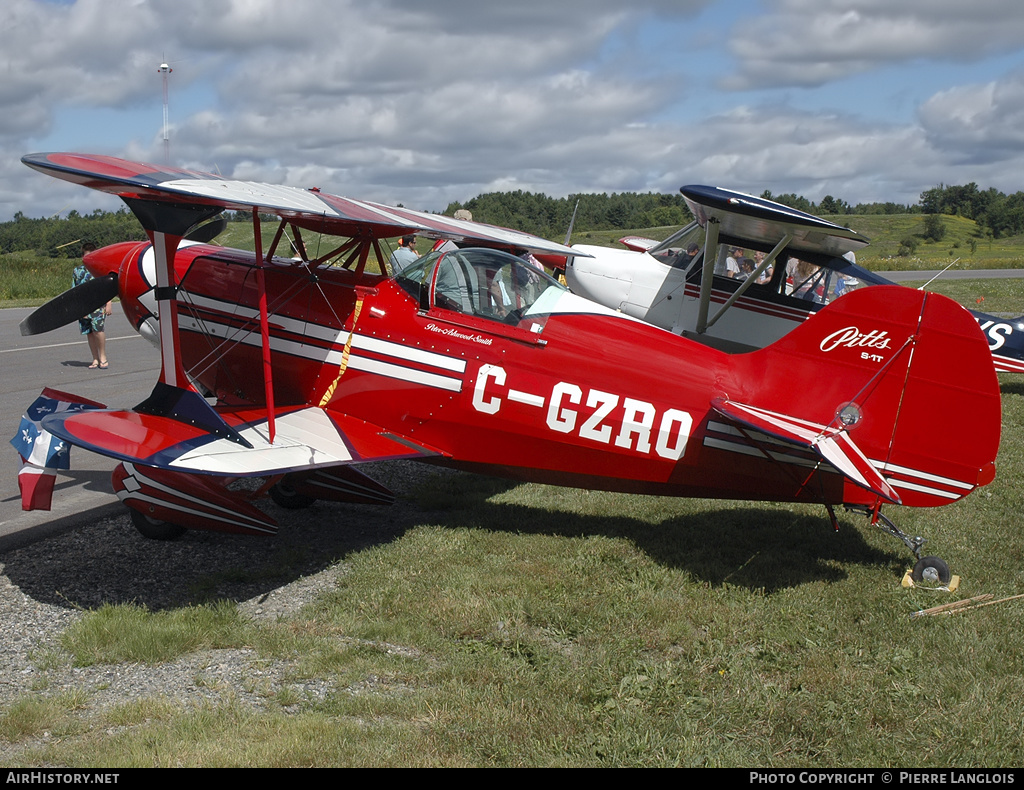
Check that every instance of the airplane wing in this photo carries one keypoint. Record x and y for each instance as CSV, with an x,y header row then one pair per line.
x,y
833,445
755,219
169,202
307,438
307,208
638,243
735,217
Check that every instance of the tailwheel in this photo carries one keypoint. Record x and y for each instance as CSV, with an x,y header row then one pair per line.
x,y
931,570
153,528
928,570
287,497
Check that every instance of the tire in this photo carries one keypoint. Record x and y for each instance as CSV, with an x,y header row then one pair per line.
x,y
931,570
288,498
153,528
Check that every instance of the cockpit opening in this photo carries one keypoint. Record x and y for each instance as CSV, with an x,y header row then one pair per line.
x,y
481,282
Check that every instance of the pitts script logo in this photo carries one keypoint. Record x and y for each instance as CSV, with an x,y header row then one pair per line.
x,y
852,337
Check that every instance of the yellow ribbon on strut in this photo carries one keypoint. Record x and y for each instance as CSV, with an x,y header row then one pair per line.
x,y
344,354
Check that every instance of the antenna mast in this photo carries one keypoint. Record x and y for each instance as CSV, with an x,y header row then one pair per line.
x,y
165,70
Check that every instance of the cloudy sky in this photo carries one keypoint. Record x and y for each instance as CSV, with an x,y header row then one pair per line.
x,y
422,102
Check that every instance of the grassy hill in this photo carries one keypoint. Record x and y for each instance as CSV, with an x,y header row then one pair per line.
x,y
27,278
962,240
887,233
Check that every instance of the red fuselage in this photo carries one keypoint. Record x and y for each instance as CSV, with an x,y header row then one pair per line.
x,y
581,396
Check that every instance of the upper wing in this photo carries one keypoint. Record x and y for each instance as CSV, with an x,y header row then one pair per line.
x,y
758,220
308,208
306,438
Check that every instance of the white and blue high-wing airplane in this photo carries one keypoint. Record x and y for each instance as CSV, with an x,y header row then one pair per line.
x,y
772,267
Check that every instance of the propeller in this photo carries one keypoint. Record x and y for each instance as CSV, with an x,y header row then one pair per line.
x,y
93,294
71,305
205,232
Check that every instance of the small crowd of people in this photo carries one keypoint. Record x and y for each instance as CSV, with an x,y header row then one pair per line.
x,y
739,266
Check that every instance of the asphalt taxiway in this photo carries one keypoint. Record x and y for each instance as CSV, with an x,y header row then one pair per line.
x,y
60,360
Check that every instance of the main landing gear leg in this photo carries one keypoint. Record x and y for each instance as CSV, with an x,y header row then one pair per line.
x,y
930,570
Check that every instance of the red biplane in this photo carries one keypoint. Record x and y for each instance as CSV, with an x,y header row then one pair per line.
x,y
298,369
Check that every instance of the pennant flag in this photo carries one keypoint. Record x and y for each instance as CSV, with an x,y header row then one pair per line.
x,y
42,454
36,486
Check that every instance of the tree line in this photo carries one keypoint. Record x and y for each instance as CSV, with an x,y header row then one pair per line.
x,y
832,206
550,217
996,214
54,238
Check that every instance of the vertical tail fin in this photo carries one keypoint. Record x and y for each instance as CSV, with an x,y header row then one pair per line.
x,y
907,372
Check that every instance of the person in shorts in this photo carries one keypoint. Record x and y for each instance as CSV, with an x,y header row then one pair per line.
x,y
92,324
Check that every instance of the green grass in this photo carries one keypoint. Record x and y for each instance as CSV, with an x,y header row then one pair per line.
x,y
26,278
1001,296
526,625
114,634
961,241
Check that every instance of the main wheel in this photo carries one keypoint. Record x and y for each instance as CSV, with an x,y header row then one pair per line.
x,y
154,529
287,497
931,570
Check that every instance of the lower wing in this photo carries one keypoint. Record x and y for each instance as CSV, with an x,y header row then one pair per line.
x,y
306,438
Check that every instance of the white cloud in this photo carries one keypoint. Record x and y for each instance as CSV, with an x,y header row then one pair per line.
x,y
812,42
424,103
977,123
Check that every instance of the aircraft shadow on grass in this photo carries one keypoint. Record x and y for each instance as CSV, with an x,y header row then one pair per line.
x,y
752,547
1007,388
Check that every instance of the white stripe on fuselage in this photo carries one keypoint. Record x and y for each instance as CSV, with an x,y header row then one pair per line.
x,y
328,355
297,326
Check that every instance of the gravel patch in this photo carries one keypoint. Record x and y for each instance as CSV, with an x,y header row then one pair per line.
x,y
48,585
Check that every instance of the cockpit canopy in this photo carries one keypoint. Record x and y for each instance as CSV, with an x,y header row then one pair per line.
x,y
481,282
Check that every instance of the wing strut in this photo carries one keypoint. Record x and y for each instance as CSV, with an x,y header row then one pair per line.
x,y
174,396
166,225
710,245
261,286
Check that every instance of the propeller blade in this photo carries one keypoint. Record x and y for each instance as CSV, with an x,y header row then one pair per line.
x,y
71,305
208,231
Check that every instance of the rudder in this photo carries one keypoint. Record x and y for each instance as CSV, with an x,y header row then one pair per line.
x,y
912,374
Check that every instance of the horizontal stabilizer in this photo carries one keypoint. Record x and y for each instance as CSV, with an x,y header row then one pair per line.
x,y
340,484
192,501
306,439
832,444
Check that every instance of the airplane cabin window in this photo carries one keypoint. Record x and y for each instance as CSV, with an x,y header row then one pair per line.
x,y
682,248
415,278
817,282
489,284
